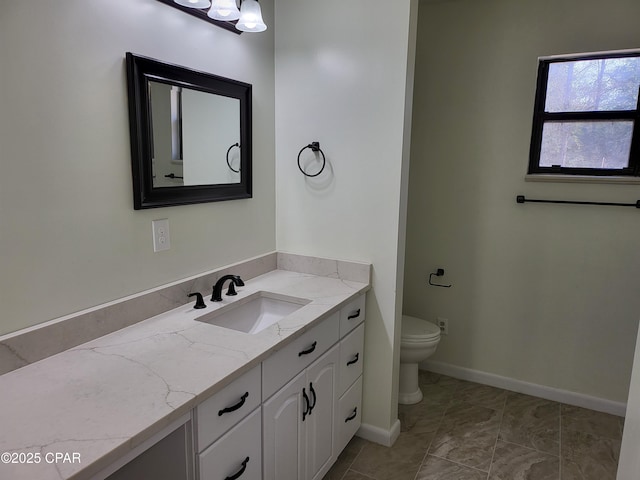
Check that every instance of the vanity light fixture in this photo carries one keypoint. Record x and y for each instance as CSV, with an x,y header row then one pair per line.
x,y
225,12
250,17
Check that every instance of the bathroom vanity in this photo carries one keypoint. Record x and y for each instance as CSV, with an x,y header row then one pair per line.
x,y
181,398
287,418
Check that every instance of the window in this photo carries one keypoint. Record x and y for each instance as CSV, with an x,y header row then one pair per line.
x,y
586,117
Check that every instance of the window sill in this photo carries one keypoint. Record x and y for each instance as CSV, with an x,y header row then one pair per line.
x,y
581,179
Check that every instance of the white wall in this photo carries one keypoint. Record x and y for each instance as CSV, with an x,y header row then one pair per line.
x,y
341,80
69,237
546,294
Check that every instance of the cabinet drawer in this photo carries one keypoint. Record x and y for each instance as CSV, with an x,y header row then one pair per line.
x,y
239,450
352,315
284,364
349,415
351,358
226,408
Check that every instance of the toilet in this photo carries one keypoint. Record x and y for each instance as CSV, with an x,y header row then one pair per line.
x,y
418,342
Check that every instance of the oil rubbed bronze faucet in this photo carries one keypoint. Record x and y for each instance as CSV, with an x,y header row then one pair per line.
x,y
199,300
217,288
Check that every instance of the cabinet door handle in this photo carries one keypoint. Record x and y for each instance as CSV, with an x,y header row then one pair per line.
x,y
355,360
353,315
308,350
306,405
235,407
240,472
352,416
315,399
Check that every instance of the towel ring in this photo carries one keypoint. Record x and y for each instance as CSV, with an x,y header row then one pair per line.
x,y
315,147
228,162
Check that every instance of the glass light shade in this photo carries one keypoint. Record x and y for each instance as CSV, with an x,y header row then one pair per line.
x,y
250,17
194,3
224,10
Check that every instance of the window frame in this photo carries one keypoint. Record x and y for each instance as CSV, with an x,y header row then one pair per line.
x,y
540,117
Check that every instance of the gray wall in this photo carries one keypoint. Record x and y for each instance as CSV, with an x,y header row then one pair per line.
x,y
544,294
69,237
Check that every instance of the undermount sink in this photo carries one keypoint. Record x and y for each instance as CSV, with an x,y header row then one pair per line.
x,y
255,312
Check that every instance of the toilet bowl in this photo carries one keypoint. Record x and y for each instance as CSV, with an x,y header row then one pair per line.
x,y
418,342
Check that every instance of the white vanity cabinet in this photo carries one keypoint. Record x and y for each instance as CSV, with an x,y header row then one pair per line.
x,y
298,436
299,445
298,423
290,417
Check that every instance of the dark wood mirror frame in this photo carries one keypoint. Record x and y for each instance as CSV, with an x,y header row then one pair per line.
x,y
140,70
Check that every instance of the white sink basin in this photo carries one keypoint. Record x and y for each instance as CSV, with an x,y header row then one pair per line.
x,y
255,312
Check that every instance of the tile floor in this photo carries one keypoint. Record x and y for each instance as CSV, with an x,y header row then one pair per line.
x,y
467,431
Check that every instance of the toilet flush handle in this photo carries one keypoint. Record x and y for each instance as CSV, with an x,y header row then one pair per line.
x,y
199,300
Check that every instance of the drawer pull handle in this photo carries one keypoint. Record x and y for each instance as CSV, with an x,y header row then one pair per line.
x,y
306,405
352,416
308,350
315,399
355,360
353,315
239,474
235,407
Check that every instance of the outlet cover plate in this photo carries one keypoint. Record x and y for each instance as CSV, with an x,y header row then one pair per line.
x,y
443,323
161,239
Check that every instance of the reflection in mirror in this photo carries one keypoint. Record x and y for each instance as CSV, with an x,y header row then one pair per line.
x,y
166,131
192,132
190,135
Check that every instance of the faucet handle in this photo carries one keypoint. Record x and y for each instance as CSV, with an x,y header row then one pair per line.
x,y
199,300
232,290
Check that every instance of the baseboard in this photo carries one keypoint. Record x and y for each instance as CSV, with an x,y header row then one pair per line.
x,y
379,435
549,393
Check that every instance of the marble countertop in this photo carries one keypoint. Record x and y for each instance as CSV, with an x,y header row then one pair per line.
x,y
103,398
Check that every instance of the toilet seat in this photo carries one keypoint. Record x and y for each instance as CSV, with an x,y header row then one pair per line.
x,y
417,330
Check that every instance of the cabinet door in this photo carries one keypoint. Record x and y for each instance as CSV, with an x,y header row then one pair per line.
x,y
284,442
322,382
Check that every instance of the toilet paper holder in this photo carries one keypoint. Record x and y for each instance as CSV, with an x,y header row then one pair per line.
x,y
438,273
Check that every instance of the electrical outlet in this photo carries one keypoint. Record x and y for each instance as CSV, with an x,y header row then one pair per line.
x,y
161,239
443,323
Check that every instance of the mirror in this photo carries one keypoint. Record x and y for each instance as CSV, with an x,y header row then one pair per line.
x,y
190,135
